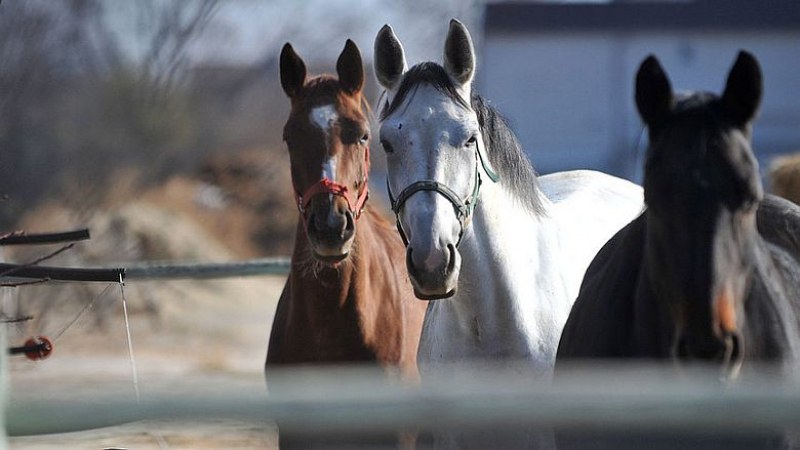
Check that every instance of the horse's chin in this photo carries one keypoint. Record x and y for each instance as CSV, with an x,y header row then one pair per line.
x,y
331,255
331,260
433,278
424,296
434,290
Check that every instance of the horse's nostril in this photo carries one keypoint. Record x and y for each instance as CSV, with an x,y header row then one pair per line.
x,y
350,223
342,208
451,263
410,262
349,228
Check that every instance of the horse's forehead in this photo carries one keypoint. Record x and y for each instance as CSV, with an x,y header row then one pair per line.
x,y
324,117
430,105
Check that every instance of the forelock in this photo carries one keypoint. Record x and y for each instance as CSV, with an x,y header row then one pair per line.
x,y
427,73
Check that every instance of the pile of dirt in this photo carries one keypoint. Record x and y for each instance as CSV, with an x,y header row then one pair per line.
x,y
249,194
179,328
236,206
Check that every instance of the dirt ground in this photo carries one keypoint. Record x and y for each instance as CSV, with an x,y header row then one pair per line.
x,y
216,329
213,329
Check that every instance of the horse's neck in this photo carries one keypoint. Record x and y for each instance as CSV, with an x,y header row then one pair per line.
x,y
652,327
321,292
510,284
327,297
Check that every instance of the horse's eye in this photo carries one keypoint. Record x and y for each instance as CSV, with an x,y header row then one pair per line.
x,y
364,138
387,147
472,140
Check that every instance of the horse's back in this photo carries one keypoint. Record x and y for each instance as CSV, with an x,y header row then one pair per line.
x,y
588,207
591,204
565,186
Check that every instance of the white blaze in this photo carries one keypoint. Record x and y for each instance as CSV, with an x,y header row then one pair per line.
x,y
324,117
329,169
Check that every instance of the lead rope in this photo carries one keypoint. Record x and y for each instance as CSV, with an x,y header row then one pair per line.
x,y
159,437
85,308
134,374
162,443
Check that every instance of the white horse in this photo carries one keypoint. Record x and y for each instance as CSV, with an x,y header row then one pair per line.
x,y
501,251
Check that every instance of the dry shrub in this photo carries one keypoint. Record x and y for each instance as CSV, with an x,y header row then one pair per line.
x,y
784,175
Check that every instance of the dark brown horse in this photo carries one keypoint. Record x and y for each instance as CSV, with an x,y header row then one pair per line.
x,y
347,298
710,272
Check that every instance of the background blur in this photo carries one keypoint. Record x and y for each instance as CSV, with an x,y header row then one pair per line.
x,y
157,124
103,101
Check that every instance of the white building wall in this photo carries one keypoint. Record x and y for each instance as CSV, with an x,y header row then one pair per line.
x,y
569,96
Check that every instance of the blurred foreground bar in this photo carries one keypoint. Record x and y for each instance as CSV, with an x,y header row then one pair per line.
x,y
349,401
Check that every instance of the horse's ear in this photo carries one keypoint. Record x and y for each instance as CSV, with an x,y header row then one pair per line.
x,y
653,92
293,71
459,55
390,59
350,68
743,90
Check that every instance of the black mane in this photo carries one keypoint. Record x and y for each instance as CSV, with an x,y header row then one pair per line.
x,y
502,147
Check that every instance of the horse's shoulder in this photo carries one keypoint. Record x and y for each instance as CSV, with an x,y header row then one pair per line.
x,y
599,323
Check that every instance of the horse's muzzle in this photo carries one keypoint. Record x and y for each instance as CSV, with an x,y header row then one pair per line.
x,y
434,276
726,350
331,232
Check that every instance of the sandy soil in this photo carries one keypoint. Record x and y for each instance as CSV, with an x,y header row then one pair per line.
x,y
213,329
180,329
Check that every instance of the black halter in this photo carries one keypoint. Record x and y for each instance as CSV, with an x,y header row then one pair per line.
x,y
463,208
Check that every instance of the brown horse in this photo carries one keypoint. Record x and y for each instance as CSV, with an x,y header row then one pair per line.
x,y
348,298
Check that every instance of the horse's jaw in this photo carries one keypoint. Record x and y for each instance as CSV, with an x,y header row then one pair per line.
x,y
331,252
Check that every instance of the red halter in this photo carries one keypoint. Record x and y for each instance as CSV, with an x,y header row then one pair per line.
x,y
328,186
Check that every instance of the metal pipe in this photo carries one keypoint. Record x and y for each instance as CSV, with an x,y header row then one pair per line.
x,y
147,271
328,402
